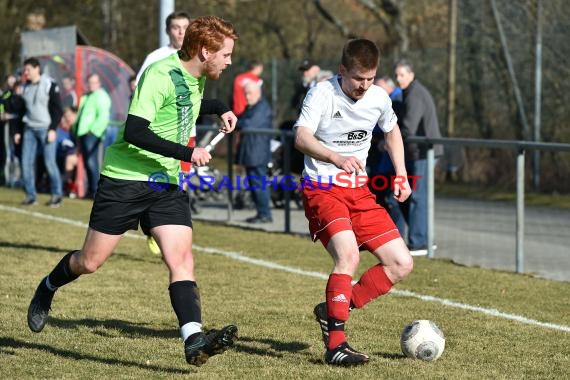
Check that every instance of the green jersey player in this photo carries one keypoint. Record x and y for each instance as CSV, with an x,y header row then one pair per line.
x,y
139,182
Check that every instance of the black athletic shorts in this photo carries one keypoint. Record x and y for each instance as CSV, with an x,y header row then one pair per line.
x,y
120,205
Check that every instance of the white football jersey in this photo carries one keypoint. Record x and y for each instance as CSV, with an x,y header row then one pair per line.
x,y
344,126
155,56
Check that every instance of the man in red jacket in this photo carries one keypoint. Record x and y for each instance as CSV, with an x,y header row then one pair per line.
x,y
239,102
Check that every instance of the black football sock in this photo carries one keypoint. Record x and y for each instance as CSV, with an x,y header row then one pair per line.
x,y
185,300
61,274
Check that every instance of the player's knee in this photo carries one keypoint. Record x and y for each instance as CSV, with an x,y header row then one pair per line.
x,y
182,263
90,267
408,265
404,267
87,266
349,262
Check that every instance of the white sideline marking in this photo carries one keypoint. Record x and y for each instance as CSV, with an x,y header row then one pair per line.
x,y
271,265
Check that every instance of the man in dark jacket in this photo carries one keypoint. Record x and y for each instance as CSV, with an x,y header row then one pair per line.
x,y
419,118
254,152
310,72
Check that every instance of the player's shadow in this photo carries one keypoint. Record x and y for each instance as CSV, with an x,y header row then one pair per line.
x,y
114,327
11,343
34,247
270,347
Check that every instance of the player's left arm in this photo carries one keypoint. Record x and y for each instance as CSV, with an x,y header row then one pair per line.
x,y
217,107
395,148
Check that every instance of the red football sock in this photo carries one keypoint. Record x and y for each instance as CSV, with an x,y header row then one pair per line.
x,y
339,291
373,283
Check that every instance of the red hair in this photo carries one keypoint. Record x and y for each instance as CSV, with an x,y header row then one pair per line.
x,y
206,32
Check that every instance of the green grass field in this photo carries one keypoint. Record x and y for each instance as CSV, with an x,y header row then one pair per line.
x,y
118,322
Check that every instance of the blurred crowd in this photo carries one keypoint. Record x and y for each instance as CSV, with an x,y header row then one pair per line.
x,y
54,139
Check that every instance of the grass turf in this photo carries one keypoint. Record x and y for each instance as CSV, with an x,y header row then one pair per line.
x,y
118,323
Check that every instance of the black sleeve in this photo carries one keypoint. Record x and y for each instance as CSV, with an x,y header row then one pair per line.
x,y
54,106
213,107
16,105
137,132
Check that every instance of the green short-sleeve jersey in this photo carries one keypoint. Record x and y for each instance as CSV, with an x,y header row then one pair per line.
x,y
169,97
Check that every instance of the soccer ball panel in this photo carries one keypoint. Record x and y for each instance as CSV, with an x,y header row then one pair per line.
x,y
423,340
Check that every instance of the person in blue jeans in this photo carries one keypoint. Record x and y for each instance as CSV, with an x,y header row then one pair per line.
x,y
42,115
92,121
254,152
381,164
418,118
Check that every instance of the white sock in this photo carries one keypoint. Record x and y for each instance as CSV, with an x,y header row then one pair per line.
x,y
190,328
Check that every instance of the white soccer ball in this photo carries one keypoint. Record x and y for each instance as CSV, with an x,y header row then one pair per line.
x,y
422,340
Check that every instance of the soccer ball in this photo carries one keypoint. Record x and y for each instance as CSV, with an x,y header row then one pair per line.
x,y
422,340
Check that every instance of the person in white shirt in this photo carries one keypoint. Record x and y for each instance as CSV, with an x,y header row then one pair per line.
x,y
176,24
334,131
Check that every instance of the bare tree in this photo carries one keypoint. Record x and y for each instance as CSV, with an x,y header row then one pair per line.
x,y
339,25
390,14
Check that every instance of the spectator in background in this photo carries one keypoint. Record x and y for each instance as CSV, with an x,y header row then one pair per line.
x,y
380,162
9,84
394,92
253,74
14,109
132,85
176,24
310,72
92,121
66,151
69,96
43,113
6,144
254,152
419,118
110,136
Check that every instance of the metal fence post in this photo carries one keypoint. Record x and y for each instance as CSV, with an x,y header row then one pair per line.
x,y
430,200
286,144
520,212
230,161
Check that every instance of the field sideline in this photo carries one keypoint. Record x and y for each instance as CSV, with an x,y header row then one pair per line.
x,y
324,276
117,323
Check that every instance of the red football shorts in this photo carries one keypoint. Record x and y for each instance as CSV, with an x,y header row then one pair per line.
x,y
331,209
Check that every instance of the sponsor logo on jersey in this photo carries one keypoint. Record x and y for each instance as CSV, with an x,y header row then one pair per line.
x,y
357,135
